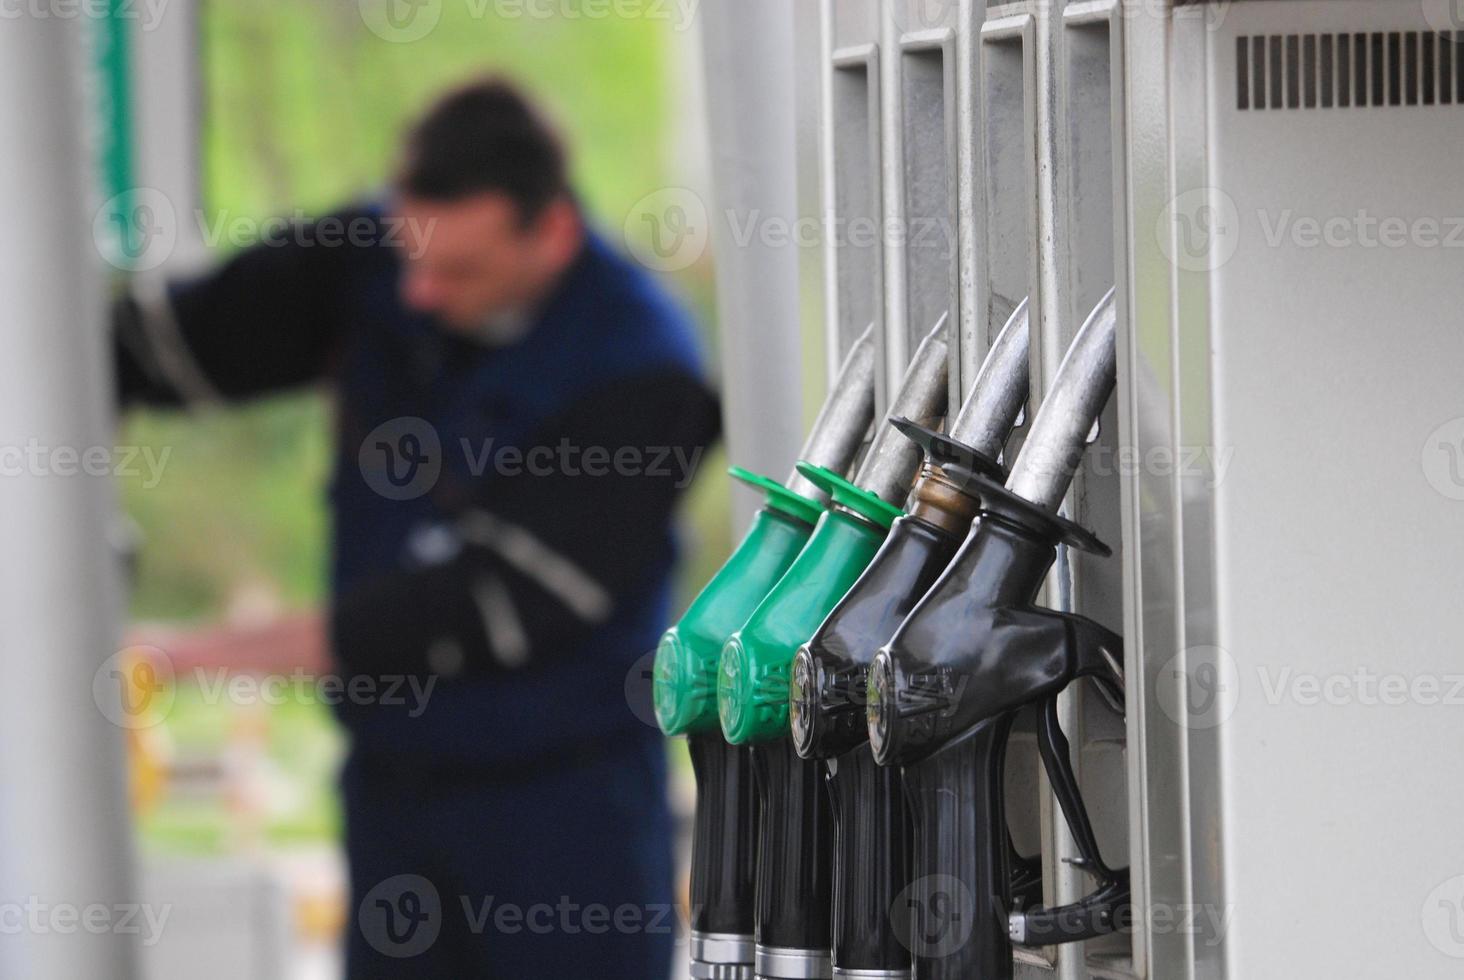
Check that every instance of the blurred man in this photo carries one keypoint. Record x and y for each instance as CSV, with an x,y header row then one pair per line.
x,y
518,411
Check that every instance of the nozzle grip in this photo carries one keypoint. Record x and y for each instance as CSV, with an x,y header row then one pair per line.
x,y
962,889
795,850
724,837
871,863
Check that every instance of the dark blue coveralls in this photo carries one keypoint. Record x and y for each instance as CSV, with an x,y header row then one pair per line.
x,y
503,534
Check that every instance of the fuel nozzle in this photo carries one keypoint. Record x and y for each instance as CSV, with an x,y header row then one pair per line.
x,y
794,877
943,693
725,829
826,697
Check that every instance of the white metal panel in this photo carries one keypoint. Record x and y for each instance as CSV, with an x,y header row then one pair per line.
x,y
1334,369
1301,560
752,119
64,841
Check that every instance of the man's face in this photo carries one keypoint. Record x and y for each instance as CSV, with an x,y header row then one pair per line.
x,y
470,260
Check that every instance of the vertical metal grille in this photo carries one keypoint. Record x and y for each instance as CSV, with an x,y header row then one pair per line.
x,y
1348,71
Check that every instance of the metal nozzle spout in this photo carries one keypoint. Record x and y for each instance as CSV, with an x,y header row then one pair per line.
x,y
1059,434
1000,390
889,469
843,420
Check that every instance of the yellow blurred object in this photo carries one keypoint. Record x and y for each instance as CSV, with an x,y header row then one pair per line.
x,y
149,756
149,749
320,916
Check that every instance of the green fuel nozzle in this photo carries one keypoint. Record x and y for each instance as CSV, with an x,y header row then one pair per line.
x,y
752,684
685,683
685,687
752,688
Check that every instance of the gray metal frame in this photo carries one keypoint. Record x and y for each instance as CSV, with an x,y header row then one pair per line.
x,y
976,138
1321,836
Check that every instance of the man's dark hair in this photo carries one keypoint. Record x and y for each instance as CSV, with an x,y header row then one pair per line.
x,y
485,136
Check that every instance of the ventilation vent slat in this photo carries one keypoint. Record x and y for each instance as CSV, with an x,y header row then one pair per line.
x,y
1446,71
1428,69
1349,70
1327,70
1459,68
1344,71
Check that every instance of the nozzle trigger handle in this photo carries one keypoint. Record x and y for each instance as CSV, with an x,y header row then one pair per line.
x,y
1097,913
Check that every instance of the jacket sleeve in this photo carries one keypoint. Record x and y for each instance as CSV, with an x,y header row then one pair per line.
x,y
548,555
267,320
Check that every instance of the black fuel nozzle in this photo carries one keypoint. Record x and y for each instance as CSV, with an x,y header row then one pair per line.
x,y
871,934
944,693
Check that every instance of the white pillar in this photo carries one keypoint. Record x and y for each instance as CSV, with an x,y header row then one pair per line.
x,y
751,109
64,840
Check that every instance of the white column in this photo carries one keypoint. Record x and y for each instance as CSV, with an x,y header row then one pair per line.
x,y
751,109
64,840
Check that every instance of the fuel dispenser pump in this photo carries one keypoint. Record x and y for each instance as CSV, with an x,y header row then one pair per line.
x,y
794,851
685,686
944,692
826,700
